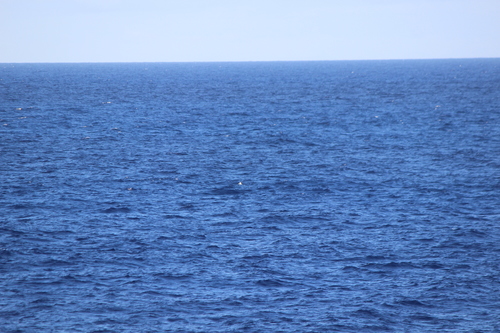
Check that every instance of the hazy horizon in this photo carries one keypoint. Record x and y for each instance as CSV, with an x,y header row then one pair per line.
x,y
125,31
236,61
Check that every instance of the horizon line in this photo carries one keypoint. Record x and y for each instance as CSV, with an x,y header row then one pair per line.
x,y
233,61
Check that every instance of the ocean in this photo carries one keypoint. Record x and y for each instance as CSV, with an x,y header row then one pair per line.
x,y
329,196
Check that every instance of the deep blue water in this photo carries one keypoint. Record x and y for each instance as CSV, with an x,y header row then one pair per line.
x,y
356,196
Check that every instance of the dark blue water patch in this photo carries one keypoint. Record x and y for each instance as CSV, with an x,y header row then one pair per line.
x,y
114,210
276,197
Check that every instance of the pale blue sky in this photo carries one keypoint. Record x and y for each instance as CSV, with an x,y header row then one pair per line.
x,y
256,30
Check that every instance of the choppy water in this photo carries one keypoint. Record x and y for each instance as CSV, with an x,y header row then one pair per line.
x,y
250,197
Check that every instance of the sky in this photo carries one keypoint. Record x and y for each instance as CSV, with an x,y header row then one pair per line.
x,y
246,30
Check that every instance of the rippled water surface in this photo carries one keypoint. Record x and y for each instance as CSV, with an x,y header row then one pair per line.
x,y
250,197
